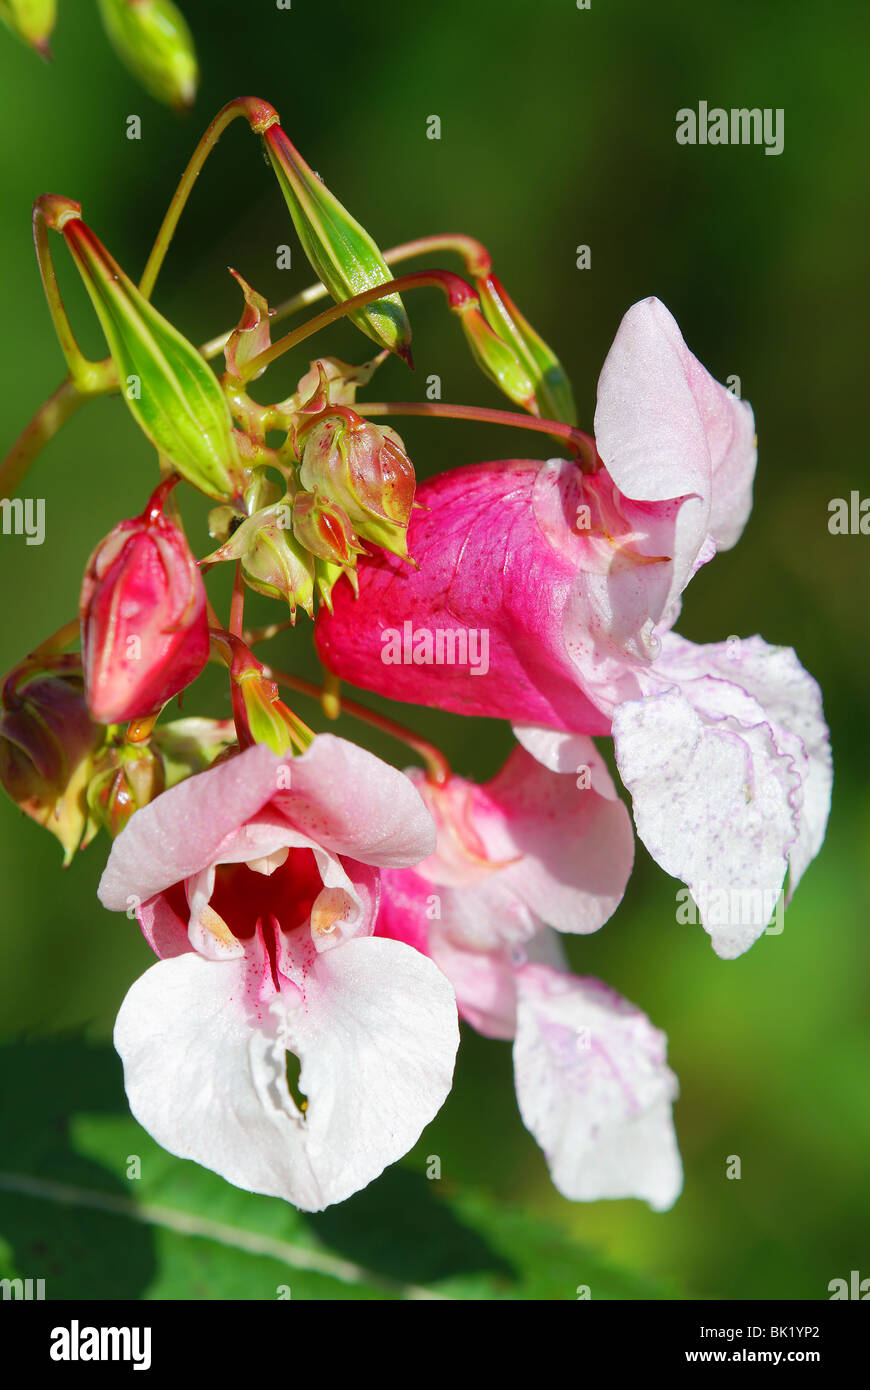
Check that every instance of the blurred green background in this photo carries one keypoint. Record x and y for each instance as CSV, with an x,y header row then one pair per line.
x,y
557,130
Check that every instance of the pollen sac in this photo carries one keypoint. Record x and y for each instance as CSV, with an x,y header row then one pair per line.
x,y
153,41
171,391
366,471
554,398
143,618
126,779
340,251
273,561
31,20
496,358
48,742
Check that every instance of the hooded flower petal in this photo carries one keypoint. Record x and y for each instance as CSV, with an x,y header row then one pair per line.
x,y
729,767
338,795
374,1025
594,1089
665,428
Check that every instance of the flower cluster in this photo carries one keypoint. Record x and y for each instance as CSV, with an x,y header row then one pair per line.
x,y
305,899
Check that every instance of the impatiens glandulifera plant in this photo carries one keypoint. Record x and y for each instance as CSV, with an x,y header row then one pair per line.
x,y
303,896
150,37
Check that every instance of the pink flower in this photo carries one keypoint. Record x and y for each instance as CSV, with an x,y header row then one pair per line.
x,y
727,760
570,573
258,884
143,617
532,851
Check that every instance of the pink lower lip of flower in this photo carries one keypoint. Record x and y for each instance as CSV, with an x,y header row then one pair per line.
x,y
143,616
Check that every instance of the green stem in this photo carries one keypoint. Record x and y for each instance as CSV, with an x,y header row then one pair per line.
x,y
474,254
260,115
459,295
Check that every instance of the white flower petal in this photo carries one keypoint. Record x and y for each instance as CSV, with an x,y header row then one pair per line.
x,y
205,1066
594,1089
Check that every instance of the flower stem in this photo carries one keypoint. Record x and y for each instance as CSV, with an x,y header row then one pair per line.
x,y
437,766
260,115
583,445
475,255
459,295
52,211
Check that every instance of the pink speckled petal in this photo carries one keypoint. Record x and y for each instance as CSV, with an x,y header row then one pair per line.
x,y
594,1089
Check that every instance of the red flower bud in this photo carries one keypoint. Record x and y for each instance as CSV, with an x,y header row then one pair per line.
x,y
143,616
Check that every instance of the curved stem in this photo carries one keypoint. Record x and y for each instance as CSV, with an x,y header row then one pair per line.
x,y
474,254
437,766
80,367
582,444
459,295
260,115
60,407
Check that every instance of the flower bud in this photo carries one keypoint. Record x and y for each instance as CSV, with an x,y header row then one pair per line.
x,y
340,251
252,335
191,745
260,712
31,20
495,357
553,395
324,528
366,471
153,41
143,617
126,779
47,744
273,561
171,391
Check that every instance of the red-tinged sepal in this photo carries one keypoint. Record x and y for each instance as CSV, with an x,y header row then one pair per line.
x,y
252,336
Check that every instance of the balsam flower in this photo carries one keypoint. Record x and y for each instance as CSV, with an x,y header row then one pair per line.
x,y
257,883
578,577
531,851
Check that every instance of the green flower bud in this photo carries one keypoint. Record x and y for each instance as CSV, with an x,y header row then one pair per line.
x,y
127,778
31,20
273,562
341,252
171,391
553,395
153,41
365,470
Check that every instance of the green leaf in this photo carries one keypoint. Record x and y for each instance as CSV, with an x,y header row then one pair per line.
x,y
71,1214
